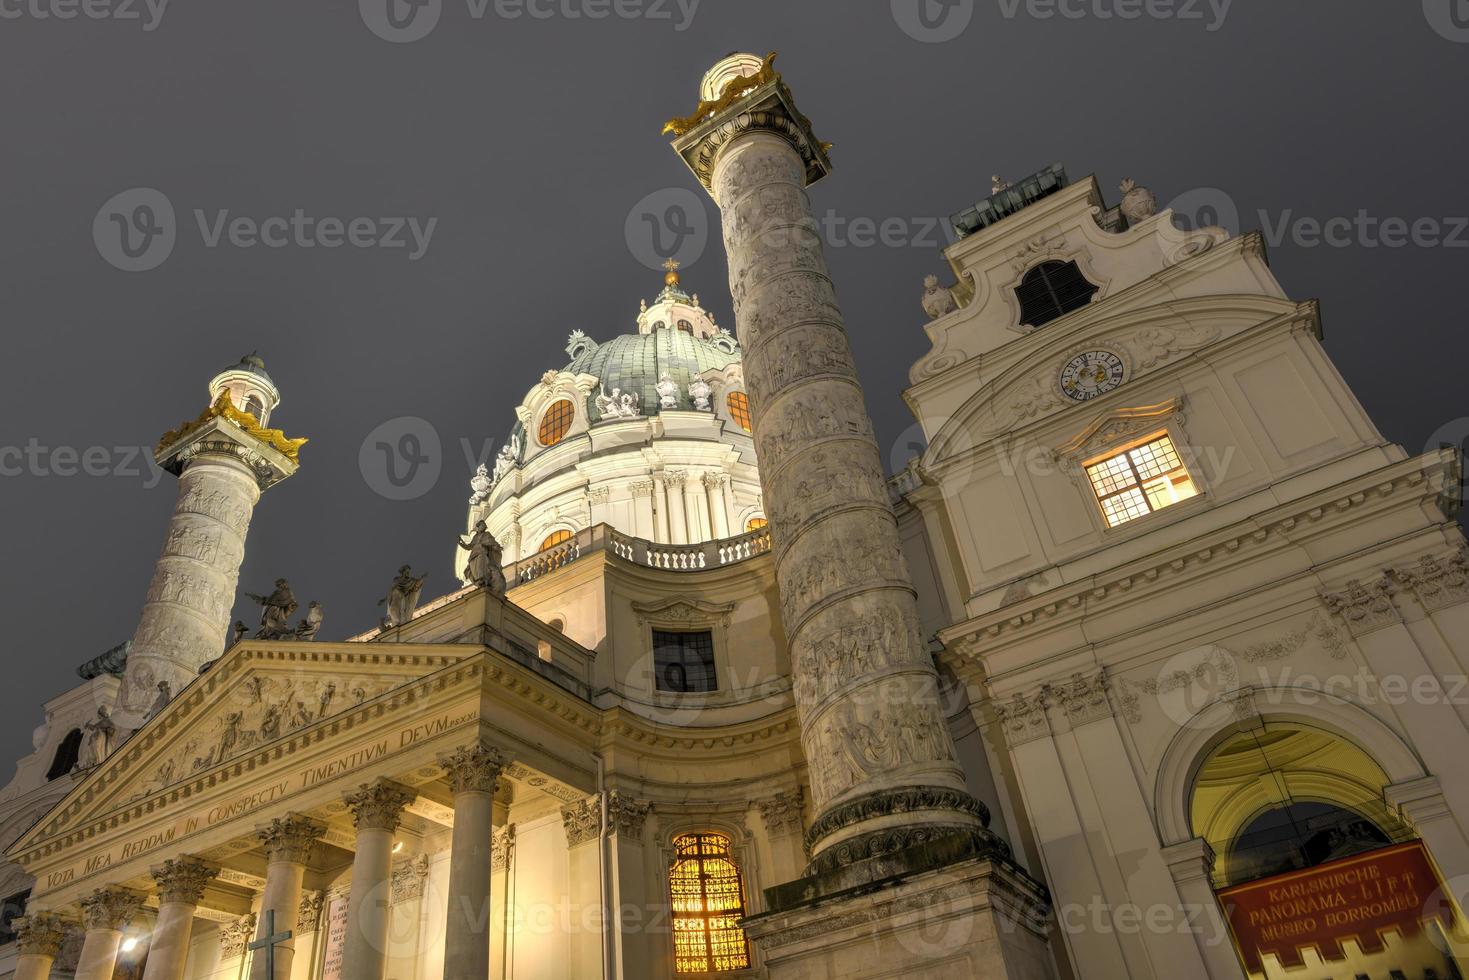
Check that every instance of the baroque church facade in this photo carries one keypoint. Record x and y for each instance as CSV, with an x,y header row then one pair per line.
x,y
1149,666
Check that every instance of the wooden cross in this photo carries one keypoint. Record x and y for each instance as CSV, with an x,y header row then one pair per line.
x,y
268,941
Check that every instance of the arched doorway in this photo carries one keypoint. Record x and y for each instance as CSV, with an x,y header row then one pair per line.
x,y
1317,875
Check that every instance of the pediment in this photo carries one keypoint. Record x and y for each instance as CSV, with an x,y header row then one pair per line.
x,y
255,696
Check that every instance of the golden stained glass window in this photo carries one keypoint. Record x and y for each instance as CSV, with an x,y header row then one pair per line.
x,y
708,903
1140,480
555,538
556,422
755,524
739,410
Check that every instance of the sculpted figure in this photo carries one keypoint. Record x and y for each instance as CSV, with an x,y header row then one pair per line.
x,y
402,598
1138,203
485,559
937,300
505,462
311,625
618,405
667,390
699,392
481,484
160,702
275,612
98,744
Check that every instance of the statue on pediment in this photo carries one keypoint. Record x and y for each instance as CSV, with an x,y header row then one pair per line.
x,y
160,701
275,613
485,559
402,598
101,735
309,626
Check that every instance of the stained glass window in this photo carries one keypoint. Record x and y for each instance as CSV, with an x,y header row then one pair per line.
x,y
556,422
1143,479
739,410
708,903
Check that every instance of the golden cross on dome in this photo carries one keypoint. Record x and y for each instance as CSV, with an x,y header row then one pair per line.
x,y
671,279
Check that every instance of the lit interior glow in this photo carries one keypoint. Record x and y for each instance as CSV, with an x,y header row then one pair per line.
x,y
708,903
1138,481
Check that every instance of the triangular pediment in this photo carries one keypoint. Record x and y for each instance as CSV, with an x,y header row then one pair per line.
x,y
256,695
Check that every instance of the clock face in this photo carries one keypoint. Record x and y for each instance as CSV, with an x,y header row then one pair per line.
x,y
1093,373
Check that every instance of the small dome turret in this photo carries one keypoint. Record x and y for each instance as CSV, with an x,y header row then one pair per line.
x,y
249,387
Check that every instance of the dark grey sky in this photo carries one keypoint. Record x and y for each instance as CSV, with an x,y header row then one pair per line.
x,y
532,141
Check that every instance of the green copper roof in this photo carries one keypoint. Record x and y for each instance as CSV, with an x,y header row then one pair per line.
x,y
634,362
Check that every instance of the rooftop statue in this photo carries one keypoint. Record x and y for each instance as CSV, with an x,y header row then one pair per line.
x,y
402,598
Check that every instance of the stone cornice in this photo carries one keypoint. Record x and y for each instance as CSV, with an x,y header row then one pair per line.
x,y
1279,527
623,724
771,108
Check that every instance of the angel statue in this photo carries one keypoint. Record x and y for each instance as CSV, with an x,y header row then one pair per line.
x,y
275,613
483,568
618,405
402,598
481,484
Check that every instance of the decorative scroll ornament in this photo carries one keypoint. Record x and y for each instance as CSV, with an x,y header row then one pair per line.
x,y
379,806
582,820
734,90
234,937
183,880
782,812
224,408
474,769
40,934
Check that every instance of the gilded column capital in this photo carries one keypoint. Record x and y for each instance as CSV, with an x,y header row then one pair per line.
x,y
183,880
744,94
40,934
291,838
110,908
474,768
379,805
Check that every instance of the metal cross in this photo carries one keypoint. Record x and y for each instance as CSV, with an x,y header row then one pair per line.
x,y
268,941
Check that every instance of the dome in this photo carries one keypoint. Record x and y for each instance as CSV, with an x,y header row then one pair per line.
x,y
635,363
251,362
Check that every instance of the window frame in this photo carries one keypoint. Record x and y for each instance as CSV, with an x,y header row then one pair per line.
x,y
541,420
745,409
1125,449
660,669
1040,271
743,859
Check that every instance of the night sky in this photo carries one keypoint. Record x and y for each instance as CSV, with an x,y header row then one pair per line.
x,y
526,149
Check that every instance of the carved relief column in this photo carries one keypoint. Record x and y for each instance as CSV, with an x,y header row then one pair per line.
x,y
714,484
678,525
223,461
784,825
583,824
181,884
105,913
474,774
376,809
863,674
632,893
38,939
289,842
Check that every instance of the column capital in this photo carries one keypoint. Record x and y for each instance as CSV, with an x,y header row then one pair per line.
x,y
41,934
501,840
1190,860
750,97
782,812
291,838
626,816
110,908
379,805
183,879
582,820
474,768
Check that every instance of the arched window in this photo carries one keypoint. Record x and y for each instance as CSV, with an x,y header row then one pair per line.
x,y
256,407
555,538
755,524
685,326
1050,291
708,903
739,410
556,421
67,754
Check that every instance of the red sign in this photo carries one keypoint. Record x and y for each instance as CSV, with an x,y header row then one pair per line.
x,y
1356,898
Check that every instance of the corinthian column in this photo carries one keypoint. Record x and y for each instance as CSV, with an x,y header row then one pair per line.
x,y
376,810
38,939
223,460
474,774
105,913
181,884
882,765
289,842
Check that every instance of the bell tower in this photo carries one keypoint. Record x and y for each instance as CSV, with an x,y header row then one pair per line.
x,y
224,460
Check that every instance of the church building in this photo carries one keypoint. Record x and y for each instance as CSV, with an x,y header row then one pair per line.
x,y
1150,666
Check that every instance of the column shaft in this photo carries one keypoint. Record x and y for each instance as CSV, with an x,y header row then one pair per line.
x,y
376,809
38,940
34,966
99,954
474,773
169,950
678,527
106,913
289,843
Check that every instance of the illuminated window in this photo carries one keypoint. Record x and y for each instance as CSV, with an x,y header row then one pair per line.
x,y
556,421
557,537
708,903
1143,479
739,410
755,524
683,662
685,326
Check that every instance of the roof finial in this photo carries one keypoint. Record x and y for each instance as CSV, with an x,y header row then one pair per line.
x,y
671,278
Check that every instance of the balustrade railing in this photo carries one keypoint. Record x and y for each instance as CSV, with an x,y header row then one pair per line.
x,y
639,551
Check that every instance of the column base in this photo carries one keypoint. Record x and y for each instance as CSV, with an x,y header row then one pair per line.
x,y
935,911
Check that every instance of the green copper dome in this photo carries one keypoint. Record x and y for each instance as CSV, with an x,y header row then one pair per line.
x,y
635,362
